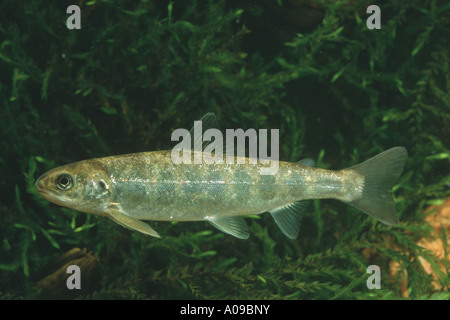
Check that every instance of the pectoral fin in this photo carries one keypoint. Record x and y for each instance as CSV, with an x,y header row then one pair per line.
x,y
116,214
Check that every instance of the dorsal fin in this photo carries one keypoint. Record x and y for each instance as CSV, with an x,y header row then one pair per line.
x,y
203,148
308,162
289,217
208,121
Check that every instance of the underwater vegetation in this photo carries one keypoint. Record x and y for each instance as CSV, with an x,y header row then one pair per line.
x,y
136,70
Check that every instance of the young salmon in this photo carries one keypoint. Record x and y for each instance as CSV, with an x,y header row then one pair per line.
x,y
149,186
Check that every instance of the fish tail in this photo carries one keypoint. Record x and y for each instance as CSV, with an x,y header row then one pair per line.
x,y
380,174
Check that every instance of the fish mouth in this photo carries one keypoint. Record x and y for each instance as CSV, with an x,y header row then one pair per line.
x,y
42,191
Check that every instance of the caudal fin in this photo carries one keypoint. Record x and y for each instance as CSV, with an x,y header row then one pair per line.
x,y
381,173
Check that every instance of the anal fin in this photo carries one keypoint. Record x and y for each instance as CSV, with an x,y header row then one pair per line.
x,y
116,214
289,217
235,226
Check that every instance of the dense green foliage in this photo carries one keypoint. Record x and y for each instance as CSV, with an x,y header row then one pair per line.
x,y
136,70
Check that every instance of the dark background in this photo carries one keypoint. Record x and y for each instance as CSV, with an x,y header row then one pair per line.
x,y
339,93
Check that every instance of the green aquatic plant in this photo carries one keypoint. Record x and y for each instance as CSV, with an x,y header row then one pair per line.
x,y
338,92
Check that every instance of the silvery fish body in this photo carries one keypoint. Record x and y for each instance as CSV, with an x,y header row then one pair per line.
x,y
149,186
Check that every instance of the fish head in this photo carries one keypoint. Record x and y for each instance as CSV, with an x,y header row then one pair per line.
x,y
81,186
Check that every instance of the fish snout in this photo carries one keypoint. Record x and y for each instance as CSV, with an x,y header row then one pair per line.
x,y
42,183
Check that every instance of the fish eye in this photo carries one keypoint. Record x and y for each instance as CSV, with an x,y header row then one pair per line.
x,y
64,182
102,185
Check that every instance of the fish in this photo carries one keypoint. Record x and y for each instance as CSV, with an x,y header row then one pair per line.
x,y
137,187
